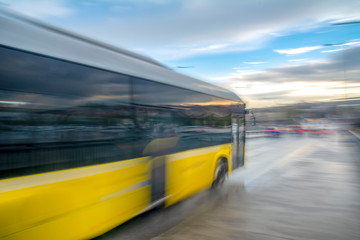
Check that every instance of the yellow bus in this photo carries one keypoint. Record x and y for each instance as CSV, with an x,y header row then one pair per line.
x,y
92,135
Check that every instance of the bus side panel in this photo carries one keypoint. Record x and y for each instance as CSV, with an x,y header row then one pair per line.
x,y
192,171
65,206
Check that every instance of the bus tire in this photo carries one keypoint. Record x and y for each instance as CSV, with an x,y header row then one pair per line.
x,y
221,173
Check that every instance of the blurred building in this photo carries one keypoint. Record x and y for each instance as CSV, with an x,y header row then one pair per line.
x,y
340,112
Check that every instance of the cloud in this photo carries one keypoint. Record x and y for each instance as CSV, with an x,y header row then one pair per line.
x,y
189,28
325,70
40,8
337,76
293,51
274,95
211,47
352,43
348,20
297,60
334,50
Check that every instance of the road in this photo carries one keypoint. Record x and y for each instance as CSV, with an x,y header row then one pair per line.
x,y
293,187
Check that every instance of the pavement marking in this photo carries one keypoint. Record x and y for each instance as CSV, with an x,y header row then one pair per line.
x,y
304,150
260,150
355,134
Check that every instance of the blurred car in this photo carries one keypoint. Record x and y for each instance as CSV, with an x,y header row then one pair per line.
x,y
273,131
317,132
294,129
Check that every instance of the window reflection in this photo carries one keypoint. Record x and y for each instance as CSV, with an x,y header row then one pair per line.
x,y
197,119
56,115
24,72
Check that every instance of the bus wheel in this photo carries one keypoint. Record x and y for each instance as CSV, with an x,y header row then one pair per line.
x,y
220,173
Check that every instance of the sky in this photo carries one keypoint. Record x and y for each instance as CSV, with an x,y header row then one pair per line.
x,y
269,52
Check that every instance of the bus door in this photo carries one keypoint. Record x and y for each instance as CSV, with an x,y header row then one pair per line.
x,y
158,149
238,143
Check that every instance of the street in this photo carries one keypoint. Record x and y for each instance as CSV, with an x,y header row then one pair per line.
x,y
293,187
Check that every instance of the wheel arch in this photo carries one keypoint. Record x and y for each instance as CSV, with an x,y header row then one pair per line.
x,y
219,158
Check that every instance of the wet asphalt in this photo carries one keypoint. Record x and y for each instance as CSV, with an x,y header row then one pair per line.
x,y
293,187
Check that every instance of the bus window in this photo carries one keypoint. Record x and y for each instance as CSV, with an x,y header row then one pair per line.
x,y
199,120
51,120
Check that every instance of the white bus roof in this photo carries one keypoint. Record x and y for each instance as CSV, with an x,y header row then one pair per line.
x,y
20,32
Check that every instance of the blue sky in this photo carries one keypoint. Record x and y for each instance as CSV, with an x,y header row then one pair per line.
x,y
270,52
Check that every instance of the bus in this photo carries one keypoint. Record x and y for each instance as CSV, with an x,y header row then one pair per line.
x,y
92,135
